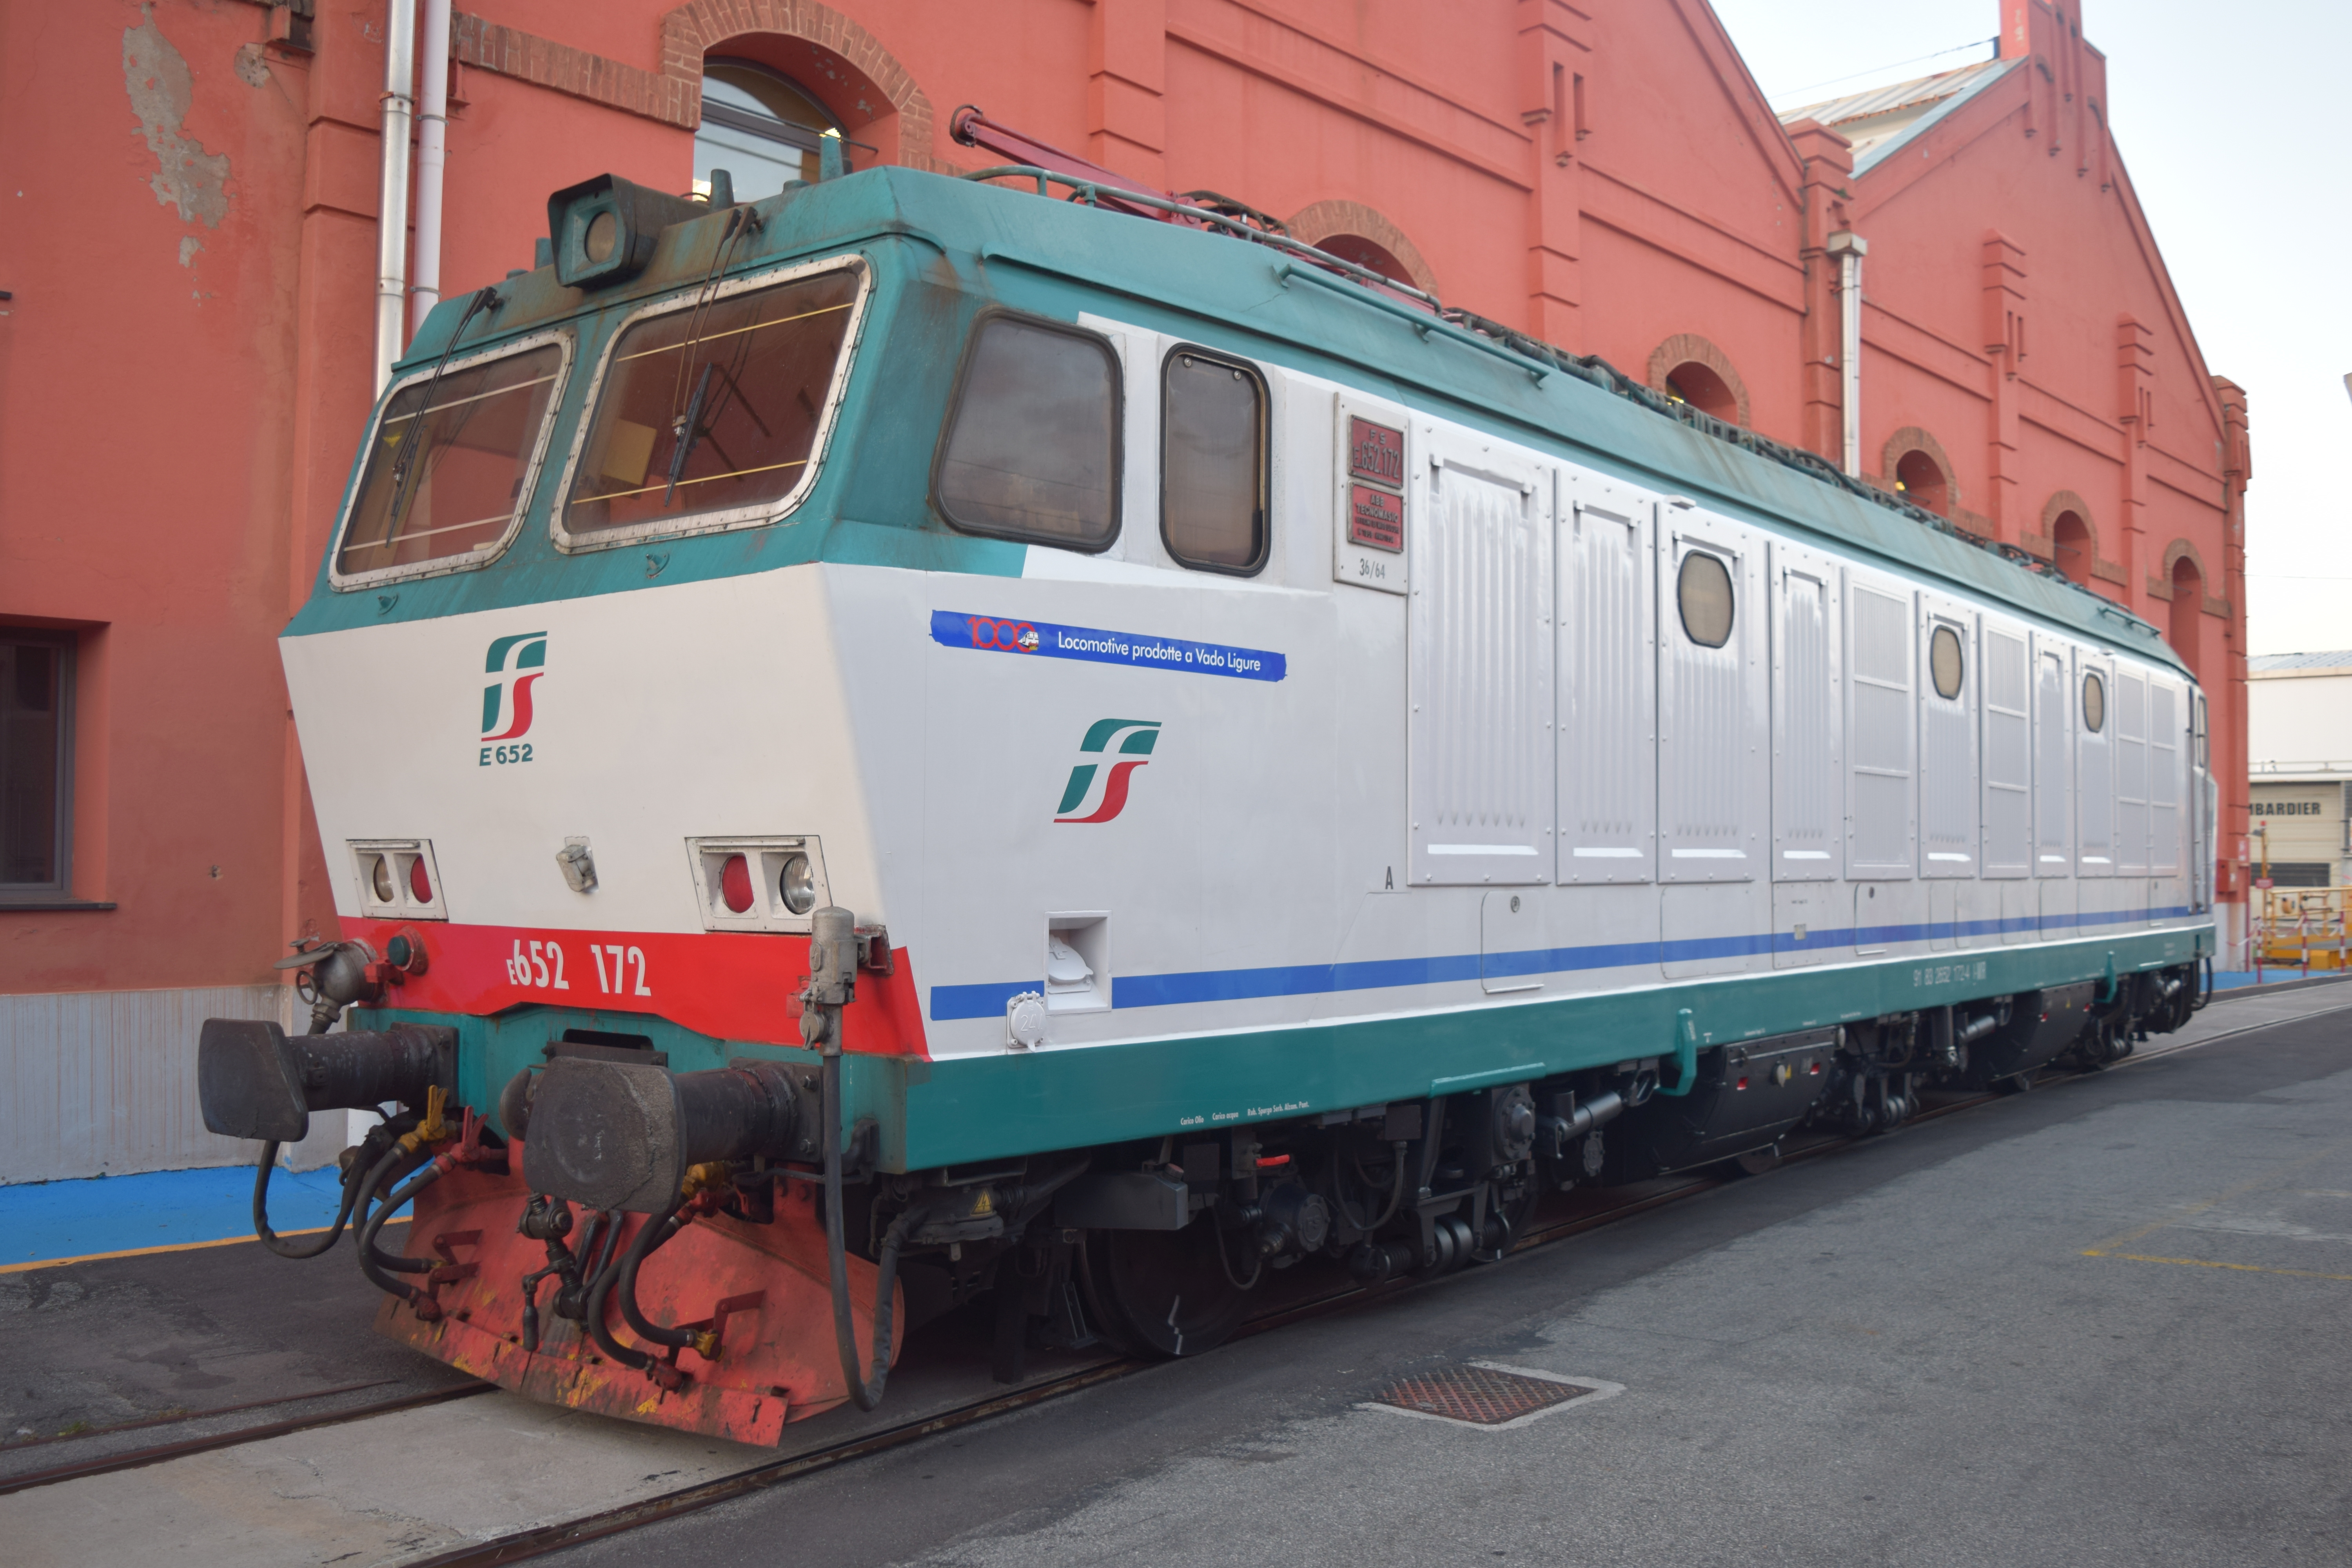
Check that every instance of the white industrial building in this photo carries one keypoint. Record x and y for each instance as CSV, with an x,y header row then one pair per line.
x,y
2299,762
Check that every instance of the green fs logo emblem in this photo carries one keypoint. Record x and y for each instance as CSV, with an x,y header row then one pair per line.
x,y
1109,799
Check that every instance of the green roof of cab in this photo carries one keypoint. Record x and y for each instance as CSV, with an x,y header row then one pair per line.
x,y
941,250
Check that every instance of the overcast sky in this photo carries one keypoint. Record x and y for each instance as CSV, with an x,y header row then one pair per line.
x,y
2229,120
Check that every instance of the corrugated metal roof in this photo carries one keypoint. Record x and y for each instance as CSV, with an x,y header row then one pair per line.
x,y
2340,660
1882,119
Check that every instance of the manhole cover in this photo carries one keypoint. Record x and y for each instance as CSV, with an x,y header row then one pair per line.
x,y
1478,1395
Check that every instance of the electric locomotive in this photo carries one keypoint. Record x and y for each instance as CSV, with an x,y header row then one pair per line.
x,y
920,740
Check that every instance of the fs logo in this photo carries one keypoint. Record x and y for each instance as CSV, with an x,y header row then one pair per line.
x,y
1141,736
515,665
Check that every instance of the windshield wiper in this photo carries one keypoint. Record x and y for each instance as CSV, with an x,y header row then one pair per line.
x,y
691,429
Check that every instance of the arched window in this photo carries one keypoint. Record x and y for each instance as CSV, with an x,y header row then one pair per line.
x,y
2188,613
1921,480
1700,386
758,126
1689,368
2070,546
1354,232
1367,254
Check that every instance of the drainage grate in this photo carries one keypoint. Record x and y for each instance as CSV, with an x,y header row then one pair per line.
x,y
1479,1396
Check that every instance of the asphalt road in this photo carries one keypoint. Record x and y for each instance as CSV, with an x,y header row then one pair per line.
x,y
2101,1323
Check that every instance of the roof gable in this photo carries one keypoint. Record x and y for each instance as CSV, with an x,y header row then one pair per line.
x,y
1881,121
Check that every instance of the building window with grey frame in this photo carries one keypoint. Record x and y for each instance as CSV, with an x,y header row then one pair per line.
x,y
36,691
761,127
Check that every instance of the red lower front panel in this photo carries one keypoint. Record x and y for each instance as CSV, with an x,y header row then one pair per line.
x,y
775,1362
730,985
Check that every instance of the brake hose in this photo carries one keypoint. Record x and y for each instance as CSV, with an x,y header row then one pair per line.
x,y
656,1235
373,1263
864,1387
640,1247
1396,1190
271,1238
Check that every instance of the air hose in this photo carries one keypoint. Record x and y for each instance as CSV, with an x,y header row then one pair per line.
x,y
657,1229
865,1387
1396,1192
271,1238
373,1263
431,1129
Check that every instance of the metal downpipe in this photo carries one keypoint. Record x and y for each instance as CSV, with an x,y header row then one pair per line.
x,y
392,193
432,149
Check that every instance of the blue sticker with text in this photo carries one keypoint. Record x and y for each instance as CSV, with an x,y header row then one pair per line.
x,y
996,633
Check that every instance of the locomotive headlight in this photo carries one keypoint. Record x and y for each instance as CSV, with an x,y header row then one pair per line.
x,y
796,884
386,889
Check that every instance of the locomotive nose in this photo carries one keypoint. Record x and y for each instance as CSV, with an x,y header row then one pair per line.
x,y
622,1135
254,1082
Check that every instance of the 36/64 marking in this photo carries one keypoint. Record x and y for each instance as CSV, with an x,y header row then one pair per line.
x,y
539,965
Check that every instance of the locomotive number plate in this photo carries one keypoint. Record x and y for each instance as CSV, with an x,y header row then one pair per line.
x,y
1375,452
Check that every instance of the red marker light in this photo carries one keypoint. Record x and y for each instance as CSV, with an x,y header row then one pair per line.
x,y
1741,1084
1269,1161
419,883
735,883
1816,1069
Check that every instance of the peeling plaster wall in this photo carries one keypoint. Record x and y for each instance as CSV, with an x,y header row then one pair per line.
x,y
186,176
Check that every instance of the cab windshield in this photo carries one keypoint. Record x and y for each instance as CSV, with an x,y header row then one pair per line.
x,y
448,473
713,407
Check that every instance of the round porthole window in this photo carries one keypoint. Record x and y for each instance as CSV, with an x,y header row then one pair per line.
x,y
2094,703
1703,589
1945,663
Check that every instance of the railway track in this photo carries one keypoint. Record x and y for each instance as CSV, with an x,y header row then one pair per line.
x,y
138,1459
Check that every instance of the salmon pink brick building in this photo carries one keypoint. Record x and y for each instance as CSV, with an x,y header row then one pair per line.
x,y
1944,287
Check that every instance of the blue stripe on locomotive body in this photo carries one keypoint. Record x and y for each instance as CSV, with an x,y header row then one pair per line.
x,y
940,251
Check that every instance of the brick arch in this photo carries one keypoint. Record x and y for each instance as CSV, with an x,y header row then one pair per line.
x,y
1319,221
1913,438
1689,348
2160,583
2045,543
805,27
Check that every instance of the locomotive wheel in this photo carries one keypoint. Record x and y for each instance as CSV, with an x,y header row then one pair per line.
x,y
1162,1292
1755,1162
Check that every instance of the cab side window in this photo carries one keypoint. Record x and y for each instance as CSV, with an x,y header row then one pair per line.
x,y
1031,446
1213,466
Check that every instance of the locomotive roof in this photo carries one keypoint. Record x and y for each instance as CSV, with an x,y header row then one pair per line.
x,y
943,247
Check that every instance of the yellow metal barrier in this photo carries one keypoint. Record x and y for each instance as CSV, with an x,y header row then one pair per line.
x,y
2301,928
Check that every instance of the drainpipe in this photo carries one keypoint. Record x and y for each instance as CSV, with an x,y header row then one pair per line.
x,y
432,141
1850,248
392,199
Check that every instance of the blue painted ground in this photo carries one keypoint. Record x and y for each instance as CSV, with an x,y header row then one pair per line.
x,y
45,1220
